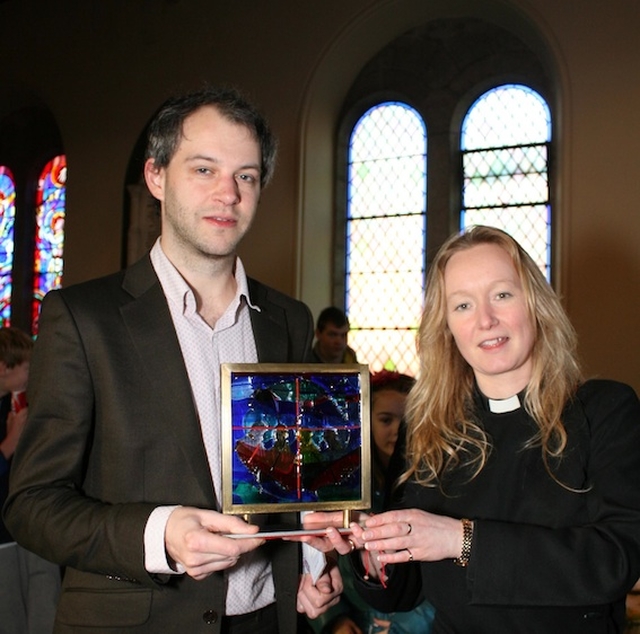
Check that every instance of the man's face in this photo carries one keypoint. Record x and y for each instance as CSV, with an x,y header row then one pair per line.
x,y
209,192
332,342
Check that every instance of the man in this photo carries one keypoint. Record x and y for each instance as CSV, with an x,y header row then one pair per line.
x,y
332,331
119,465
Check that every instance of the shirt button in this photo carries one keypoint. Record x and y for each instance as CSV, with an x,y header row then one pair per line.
x,y
210,617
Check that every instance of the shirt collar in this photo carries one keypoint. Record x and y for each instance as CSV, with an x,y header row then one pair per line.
x,y
502,405
179,292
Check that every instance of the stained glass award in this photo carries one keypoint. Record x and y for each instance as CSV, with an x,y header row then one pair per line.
x,y
295,437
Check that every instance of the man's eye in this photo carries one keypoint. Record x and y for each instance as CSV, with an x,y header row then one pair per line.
x,y
247,178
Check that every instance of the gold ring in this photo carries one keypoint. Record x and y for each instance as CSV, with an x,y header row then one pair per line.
x,y
410,554
410,528
353,546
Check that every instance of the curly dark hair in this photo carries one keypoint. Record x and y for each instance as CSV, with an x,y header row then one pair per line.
x,y
165,129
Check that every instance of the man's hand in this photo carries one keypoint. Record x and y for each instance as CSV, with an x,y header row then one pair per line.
x,y
314,600
195,540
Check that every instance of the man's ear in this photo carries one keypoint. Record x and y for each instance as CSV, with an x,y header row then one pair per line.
x,y
154,177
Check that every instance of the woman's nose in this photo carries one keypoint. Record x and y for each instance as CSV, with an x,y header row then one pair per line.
x,y
486,315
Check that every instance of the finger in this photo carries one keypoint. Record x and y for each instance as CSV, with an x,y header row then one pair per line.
x,y
319,543
343,544
313,604
388,517
398,557
319,519
220,523
229,546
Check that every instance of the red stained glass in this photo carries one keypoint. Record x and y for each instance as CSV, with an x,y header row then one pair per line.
x,y
49,239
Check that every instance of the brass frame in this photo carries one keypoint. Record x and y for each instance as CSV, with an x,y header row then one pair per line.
x,y
293,372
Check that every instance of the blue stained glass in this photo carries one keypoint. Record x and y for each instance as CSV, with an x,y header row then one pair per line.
x,y
7,219
49,242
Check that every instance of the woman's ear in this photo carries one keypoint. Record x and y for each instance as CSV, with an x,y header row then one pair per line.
x,y
154,177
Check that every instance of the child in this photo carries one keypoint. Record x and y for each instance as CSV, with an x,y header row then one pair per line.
x,y
29,585
352,615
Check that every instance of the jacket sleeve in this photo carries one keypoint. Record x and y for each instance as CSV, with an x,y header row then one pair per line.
x,y
49,509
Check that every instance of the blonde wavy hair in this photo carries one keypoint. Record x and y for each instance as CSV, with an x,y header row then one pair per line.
x,y
442,431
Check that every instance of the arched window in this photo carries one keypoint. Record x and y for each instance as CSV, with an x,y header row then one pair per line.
x,y
482,94
505,156
49,238
386,233
7,219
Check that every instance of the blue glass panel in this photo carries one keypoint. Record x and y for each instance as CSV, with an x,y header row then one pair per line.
x,y
7,219
49,240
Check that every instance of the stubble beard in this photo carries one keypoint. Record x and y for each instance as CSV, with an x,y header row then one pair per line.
x,y
194,244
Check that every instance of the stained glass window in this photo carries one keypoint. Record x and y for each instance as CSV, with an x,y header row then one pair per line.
x,y
386,235
7,218
505,153
49,241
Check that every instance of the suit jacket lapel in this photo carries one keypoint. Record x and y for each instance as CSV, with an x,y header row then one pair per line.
x,y
149,321
269,326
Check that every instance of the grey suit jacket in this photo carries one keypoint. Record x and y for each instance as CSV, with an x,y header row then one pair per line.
x,y
112,434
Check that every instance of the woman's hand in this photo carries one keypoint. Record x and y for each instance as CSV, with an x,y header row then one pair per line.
x,y
332,539
411,535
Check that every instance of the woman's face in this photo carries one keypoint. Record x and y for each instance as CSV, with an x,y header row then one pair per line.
x,y
488,318
386,414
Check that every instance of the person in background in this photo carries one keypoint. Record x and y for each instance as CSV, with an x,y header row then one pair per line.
x,y
353,615
29,585
332,331
118,472
521,507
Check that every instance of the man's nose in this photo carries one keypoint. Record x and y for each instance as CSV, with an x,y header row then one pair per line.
x,y
226,190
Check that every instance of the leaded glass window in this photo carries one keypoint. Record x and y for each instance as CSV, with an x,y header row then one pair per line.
x,y
7,219
505,155
49,240
386,234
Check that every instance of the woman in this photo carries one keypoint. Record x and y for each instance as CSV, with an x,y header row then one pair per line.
x,y
521,511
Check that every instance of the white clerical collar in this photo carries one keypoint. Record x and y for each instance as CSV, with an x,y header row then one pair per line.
x,y
503,405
